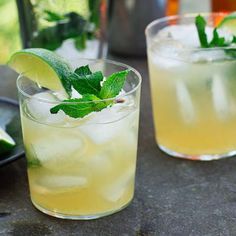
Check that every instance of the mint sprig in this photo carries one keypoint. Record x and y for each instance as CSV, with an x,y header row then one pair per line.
x,y
94,88
216,41
87,84
201,29
78,108
113,85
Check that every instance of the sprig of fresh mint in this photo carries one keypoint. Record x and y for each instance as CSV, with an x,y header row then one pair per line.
x,y
94,88
201,29
53,16
86,82
216,41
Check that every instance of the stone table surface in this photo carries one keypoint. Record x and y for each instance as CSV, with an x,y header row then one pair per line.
x,y
172,197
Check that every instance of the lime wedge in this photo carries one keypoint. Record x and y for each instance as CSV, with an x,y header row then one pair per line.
x,y
229,23
44,67
6,142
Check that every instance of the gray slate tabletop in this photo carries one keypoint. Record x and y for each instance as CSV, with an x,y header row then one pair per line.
x,y
172,197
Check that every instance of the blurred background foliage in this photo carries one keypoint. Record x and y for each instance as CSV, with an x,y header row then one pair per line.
x,y
9,30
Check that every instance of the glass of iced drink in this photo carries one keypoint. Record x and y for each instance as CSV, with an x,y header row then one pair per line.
x,y
193,88
73,29
81,168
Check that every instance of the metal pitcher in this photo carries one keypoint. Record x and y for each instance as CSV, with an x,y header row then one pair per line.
x,y
127,20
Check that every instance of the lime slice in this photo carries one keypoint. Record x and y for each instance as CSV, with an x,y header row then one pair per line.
x,y
6,142
229,23
44,67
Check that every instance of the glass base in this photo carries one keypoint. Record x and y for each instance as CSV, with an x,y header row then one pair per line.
x,y
78,217
204,157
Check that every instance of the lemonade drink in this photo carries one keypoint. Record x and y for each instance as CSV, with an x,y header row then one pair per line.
x,y
80,168
86,167
193,93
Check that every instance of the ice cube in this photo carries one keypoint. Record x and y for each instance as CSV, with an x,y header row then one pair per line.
x,y
186,35
114,191
100,163
220,97
55,184
207,55
69,51
58,149
165,56
40,110
104,126
171,47
184,99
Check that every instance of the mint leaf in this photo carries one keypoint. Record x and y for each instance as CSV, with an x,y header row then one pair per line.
x,y
53,16
83,71
78,108
86,83
201,27
80,41
113,84
231,52
217,41
234,39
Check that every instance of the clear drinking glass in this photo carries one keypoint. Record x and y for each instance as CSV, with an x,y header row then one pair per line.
x,y
193,90
81,168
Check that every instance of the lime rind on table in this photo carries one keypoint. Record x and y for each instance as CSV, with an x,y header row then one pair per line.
x,y
6,142
44,67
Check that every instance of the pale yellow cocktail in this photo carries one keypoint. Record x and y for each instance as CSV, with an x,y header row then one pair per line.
x,y
193,92
80,132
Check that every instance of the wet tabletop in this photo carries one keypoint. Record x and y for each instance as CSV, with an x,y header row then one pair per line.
x,y
172,197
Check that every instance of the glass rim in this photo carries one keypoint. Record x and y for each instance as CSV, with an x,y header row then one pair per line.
x,y
93,61
187,16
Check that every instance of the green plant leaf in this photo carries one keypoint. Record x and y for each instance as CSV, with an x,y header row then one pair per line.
x,y
94,6
83,71
87,83
78,108
113,84
201,27
234,39
231,52
80,41
53,16
217,41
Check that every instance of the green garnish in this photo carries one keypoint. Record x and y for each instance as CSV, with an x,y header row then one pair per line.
x,y
88,85
86,82
53,16
201,29
216,41
113,85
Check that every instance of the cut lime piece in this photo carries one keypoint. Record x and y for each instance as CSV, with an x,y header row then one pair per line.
x,y
229,23
6,142
44,67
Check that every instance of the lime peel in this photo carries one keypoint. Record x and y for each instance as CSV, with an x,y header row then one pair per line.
x,y
44,67
6,142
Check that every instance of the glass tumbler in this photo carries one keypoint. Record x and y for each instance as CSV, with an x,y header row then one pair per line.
x,y
81,168
193,90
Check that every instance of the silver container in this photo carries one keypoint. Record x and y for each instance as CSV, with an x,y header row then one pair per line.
x,y
127,20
